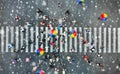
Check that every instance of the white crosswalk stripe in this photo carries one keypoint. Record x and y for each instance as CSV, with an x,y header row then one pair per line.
x,y
66,41
32,38
2,39
50,45
109,40
80,40
118,40
95,37
85,37
57,40
36,37
75,40
12,36
61,45
7,38
70,46
90,36
27,36
21,38
100,37
16,38
41,36
113,38
104,40
46,47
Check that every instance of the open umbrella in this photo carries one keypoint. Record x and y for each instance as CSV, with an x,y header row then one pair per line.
x,y
40,72
53,33
73,34
103,16
40,51
80,1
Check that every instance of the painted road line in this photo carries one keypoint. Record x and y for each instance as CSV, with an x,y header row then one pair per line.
x,y
32,38
56,28
75,40
85,37
61,45
27,37
100,40
80,40
7,38
36,37
109,40
104,40
95,38
114,40
70,44
66,40
90,37
2,39
46,47
41,36
17,38
118,40
12,36
21,39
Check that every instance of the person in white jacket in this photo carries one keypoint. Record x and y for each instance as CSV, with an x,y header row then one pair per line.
x,y
63,71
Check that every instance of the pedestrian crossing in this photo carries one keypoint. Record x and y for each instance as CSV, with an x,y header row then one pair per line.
x,y
104,40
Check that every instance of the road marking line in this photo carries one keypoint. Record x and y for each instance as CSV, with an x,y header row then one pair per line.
x,y
109,40
7,36
17,38
90,37
21,39
100,42
118,40
2,38
104,40
95,39
12,36
85,37
80,41
27,36
75,40
66,37
70,46
41,37
36,41
32,38
46,39
57,39
114,40
61,45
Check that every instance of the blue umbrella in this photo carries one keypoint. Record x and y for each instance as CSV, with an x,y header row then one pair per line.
x,y
80,1
37,52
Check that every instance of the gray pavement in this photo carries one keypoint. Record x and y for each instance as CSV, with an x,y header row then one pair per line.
x,y
85,15
111,64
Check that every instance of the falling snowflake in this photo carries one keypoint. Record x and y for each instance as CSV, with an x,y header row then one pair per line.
x,y
119,11
32,7
117,67
44,3
2,31
96,6
26,2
